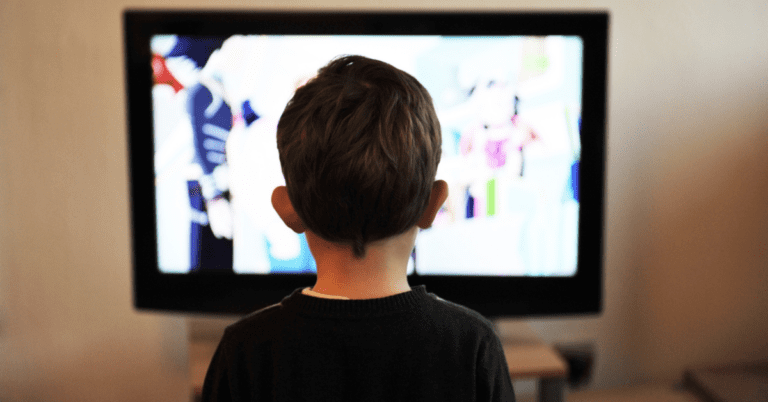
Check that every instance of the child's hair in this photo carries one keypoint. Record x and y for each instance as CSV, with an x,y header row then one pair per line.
x,y
359,147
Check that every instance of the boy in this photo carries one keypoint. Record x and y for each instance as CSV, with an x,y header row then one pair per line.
x,y
359,147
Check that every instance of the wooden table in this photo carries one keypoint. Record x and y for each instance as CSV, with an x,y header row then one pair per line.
x,y
537,360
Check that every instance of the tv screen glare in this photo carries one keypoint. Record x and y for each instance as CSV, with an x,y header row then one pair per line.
x,y
521,103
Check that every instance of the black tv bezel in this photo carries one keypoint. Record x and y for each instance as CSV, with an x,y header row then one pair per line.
x,y
491,296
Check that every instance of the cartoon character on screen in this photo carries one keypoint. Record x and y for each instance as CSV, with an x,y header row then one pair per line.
x,y
494,144
211,116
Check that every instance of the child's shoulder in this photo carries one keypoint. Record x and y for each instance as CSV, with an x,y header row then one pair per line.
x,y
465,315
261,324
430,310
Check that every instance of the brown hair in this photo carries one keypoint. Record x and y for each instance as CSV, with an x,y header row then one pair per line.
x,y
359,147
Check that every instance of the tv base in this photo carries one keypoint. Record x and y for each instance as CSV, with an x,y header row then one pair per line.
x,y
529,357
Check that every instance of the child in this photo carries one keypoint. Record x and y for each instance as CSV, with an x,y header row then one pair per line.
x,y
359,147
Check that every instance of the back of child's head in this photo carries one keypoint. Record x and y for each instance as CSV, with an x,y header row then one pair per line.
x,y
359,147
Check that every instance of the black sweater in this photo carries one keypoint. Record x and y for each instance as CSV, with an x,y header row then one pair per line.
x,y
413,346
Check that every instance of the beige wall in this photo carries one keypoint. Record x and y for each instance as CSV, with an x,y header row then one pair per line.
x,y
687,224
687,193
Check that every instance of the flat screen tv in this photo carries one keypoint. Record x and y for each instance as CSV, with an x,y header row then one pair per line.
x,y
521,99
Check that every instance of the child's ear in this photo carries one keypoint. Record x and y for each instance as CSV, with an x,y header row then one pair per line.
x,y
436,199
284,209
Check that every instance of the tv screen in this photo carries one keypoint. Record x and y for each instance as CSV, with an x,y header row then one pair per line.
x,y
521,102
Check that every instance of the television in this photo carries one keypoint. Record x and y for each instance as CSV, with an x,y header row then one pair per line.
x,y
521,99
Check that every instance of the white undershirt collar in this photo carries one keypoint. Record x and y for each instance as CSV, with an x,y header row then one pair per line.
x,y
310,292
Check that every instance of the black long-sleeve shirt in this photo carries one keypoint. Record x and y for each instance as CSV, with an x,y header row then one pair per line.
x,y
412,346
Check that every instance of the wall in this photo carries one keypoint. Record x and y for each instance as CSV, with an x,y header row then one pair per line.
x,y
687,223
704,255
68,331
687,228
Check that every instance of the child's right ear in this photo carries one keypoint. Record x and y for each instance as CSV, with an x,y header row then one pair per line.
x,y
284,209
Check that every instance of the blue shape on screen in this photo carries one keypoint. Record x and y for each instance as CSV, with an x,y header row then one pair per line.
x,y
197,49
211,121
303,264
197,204
470,213
575,180
249,114
456,146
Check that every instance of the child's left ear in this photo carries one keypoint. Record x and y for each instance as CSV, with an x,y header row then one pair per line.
x,y
284,208
436,199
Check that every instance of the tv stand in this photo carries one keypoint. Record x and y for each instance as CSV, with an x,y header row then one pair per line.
x,y
529,357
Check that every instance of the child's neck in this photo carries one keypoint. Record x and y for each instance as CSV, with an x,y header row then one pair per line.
x,y
381,273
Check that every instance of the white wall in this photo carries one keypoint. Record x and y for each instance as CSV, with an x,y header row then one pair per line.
x,y
687,226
